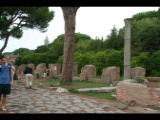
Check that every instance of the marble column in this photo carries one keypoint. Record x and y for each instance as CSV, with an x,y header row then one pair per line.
x,y
127,49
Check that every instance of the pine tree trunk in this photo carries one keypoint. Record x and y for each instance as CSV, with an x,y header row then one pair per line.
x,y
69,14
5,44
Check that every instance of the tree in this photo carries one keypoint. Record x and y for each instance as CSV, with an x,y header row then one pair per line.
x,y
14,19
144,32
150,38
96,45
82,46
115,39
41,49
69,14
21,51
46,41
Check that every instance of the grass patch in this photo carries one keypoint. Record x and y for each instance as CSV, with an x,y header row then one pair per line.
x,y
121,78
138,80
76,84
98,76
52,81
157,108
95,94
83,84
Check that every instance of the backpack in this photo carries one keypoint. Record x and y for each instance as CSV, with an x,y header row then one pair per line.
x,y
8,65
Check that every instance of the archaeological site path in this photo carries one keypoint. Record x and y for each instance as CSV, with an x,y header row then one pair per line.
x,y
42,100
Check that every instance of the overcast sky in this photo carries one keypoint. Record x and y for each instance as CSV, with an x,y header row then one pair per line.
x,y
93,21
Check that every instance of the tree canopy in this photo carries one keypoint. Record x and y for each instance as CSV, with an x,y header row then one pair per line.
x,y
13,20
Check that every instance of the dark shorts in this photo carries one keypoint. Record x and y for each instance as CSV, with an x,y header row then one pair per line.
x,y
5,89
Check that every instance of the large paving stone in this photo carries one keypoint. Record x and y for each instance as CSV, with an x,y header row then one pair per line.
x,y
101,89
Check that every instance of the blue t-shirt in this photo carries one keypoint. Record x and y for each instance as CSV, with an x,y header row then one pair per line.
x,y
5,76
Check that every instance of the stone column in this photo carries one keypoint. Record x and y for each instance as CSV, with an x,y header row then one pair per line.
x,y
127,49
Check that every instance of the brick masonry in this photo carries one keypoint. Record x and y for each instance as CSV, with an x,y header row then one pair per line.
x,y
128,91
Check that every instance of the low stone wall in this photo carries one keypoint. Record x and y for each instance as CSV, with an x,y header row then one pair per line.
x,y
128,91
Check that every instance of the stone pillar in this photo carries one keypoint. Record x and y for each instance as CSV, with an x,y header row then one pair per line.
x,y
127,49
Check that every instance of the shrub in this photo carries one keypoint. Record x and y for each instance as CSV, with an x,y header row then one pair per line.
x,y
138,80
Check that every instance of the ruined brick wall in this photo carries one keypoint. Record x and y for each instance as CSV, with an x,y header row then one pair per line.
x,y
143,95
40,69
21,68
55,70
110,74
88,72
31,65
138,72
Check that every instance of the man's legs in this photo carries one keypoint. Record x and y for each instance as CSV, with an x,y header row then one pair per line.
x,y
44,76
3,101
4,91
30,80
27,81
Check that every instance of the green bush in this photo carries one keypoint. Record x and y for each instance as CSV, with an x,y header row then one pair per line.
x,y
82,59
100,60
138,80
115,58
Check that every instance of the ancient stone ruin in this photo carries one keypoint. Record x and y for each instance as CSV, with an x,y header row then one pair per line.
x,y
153,82
55,70
40,69
128,91
31,65
21,69
110,75
88,72
138,72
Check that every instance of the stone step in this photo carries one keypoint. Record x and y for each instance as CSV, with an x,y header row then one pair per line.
x,y
100,89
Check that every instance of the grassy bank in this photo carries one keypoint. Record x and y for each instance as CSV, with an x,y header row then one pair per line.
x,y
82,84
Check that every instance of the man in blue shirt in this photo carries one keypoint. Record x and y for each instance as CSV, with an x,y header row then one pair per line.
x,y
6,80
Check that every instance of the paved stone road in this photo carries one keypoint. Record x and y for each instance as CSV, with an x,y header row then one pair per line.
x,y
40,100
